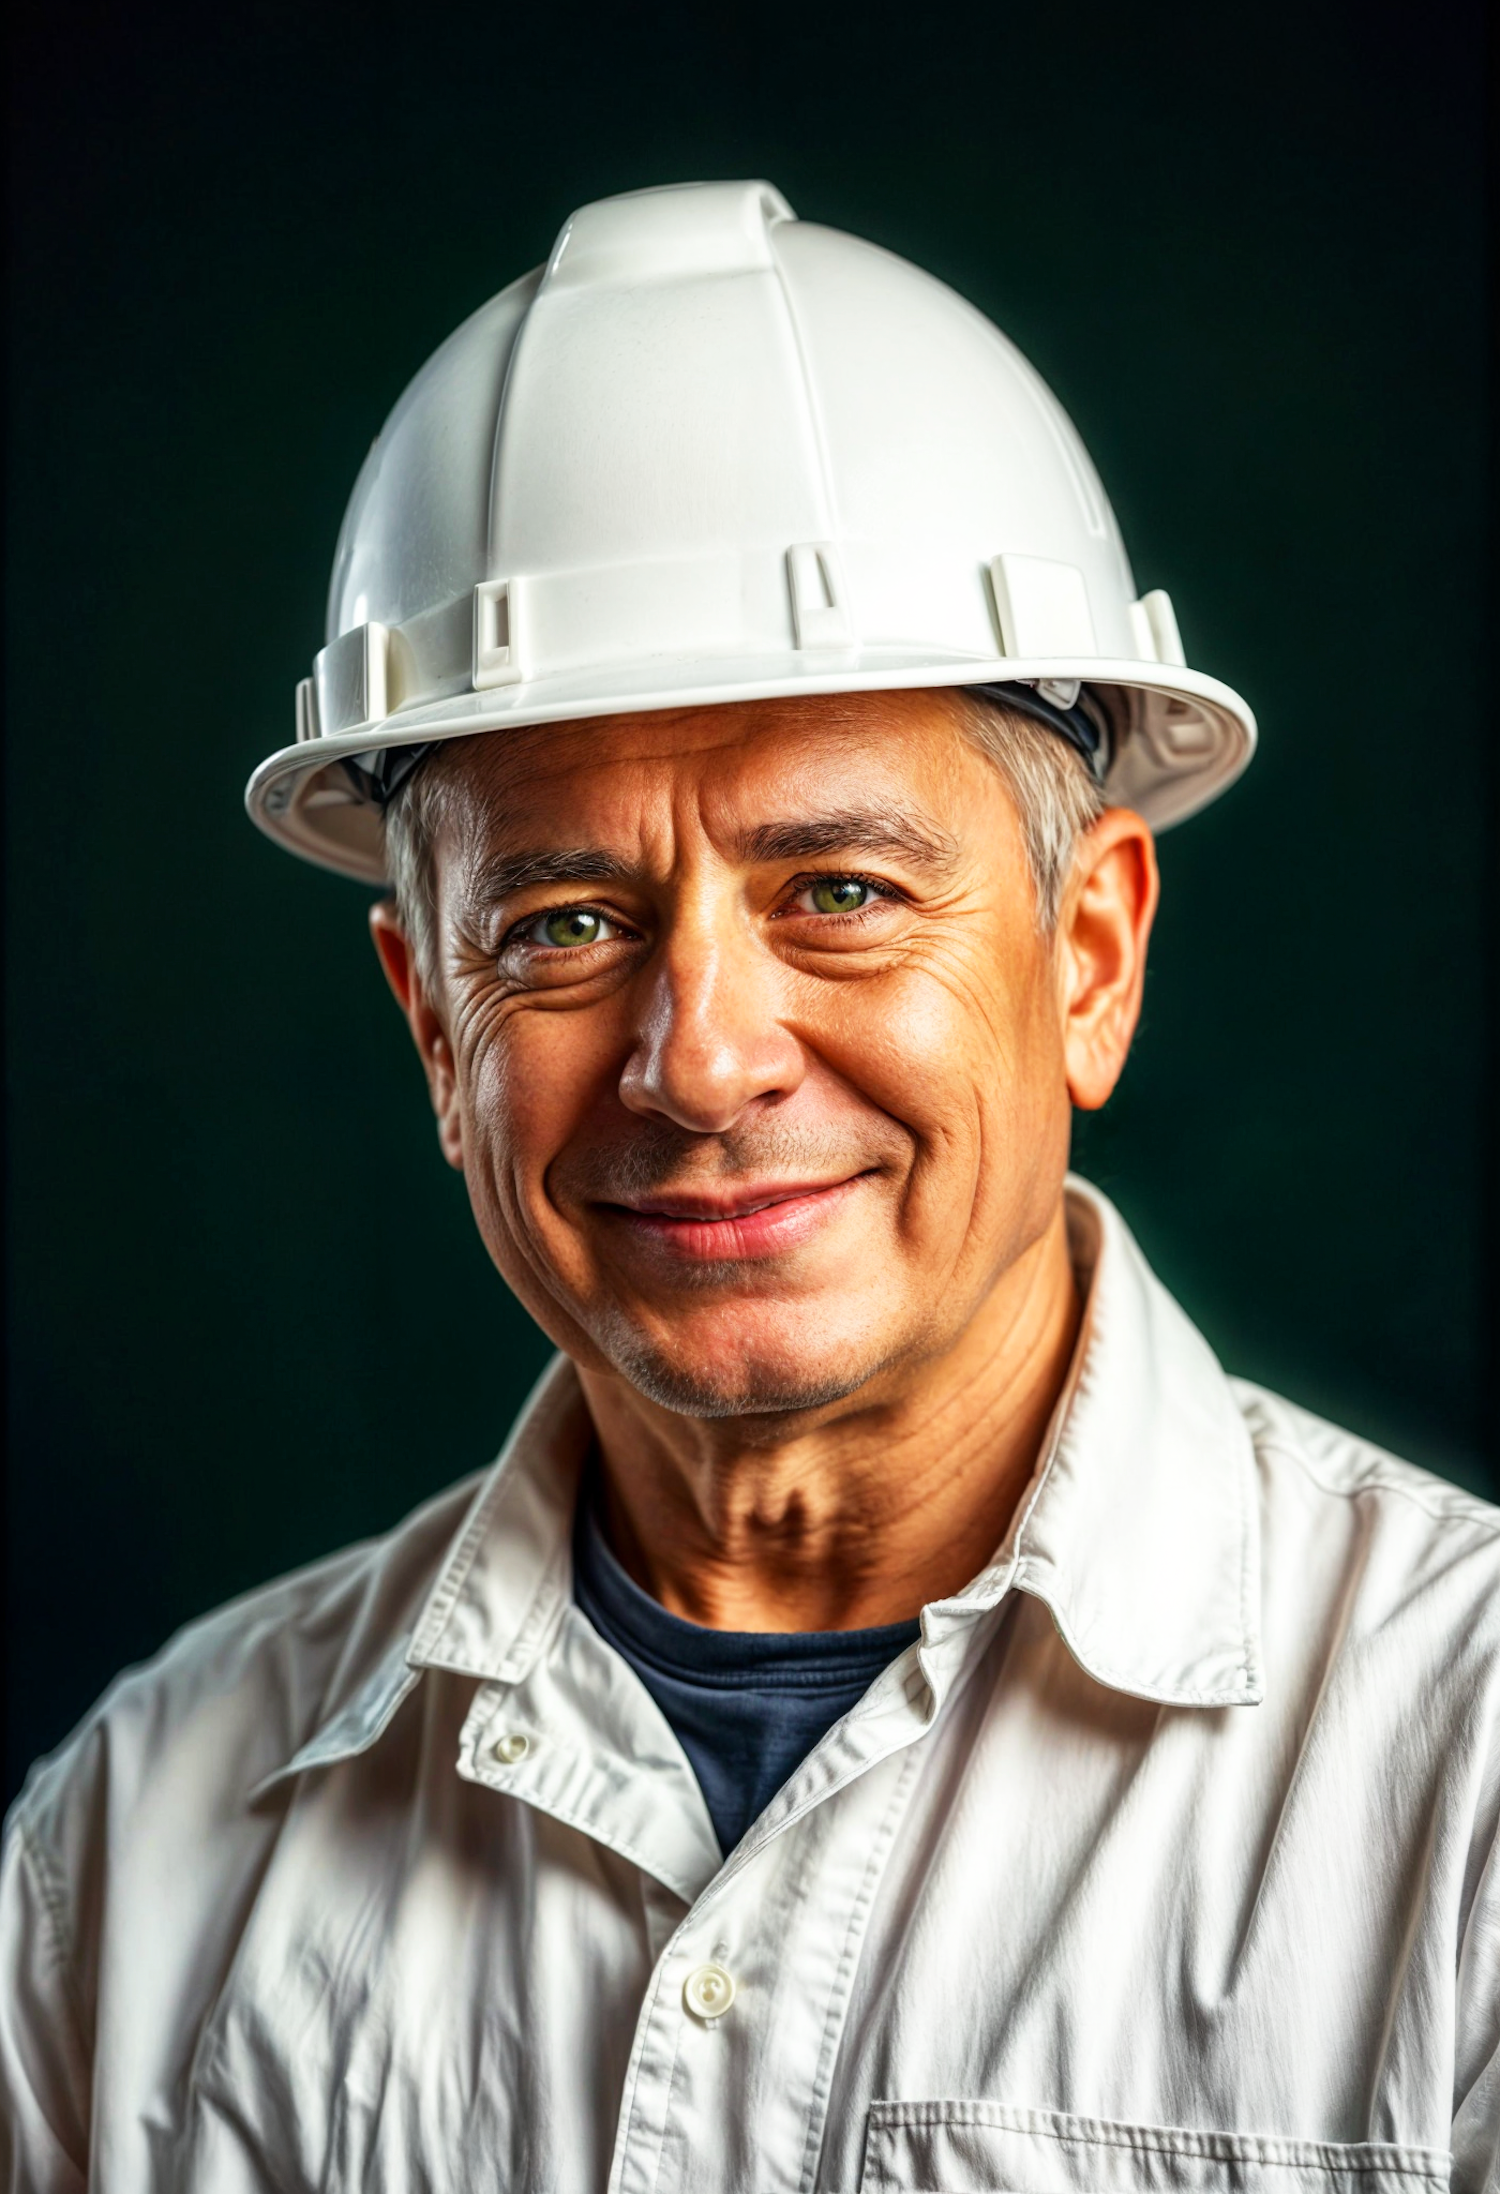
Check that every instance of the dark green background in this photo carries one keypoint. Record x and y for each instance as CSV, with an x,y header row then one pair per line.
x,y
249,1317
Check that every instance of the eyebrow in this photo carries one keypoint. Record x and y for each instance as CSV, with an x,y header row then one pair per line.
x,y
514,872
867,830
861,830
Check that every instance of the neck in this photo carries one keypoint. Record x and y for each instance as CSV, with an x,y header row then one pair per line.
x,y
856,1516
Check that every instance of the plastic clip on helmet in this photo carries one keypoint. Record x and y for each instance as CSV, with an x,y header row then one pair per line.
x,y
710,453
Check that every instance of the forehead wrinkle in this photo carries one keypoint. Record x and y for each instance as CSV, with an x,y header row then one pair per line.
x,y
668,818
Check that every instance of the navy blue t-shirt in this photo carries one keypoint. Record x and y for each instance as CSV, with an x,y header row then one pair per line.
x,y
746,1705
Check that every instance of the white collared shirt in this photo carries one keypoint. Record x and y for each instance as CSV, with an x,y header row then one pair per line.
x,y
1163,1864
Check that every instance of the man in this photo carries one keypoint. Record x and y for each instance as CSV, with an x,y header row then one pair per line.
x,y
896,1715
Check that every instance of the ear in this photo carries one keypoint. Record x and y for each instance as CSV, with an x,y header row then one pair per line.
x,y
1102,936
428,1033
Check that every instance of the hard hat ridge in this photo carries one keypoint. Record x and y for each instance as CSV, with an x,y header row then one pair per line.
x,y
710,453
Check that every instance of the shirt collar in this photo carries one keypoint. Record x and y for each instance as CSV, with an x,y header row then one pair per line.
x,y
510,1572
1138,1530
502,1586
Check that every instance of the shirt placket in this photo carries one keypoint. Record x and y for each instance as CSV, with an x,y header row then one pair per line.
x,y
737,2035
729,2094
739,2032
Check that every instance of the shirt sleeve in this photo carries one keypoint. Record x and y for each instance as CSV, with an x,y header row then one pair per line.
x,y
1476,2116
44,2080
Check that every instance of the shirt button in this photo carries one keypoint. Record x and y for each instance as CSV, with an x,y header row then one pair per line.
x,y
708,1991
511,1747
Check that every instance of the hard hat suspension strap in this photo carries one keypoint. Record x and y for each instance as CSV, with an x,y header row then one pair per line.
x,y
1083,725
378,777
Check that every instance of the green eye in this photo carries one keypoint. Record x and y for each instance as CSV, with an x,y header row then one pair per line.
x,y
570,926
839,895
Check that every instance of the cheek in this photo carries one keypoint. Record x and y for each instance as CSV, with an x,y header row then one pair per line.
x,y
528,1079
962,1038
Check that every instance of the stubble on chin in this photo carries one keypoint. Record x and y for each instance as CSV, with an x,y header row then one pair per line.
x,y
743,1388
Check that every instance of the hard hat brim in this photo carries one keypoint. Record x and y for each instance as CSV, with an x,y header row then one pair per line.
x,y
1182,736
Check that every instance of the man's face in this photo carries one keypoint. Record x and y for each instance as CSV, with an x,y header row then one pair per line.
x,y
746,1039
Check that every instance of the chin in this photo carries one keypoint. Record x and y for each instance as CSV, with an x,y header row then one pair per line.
x,y
745,1374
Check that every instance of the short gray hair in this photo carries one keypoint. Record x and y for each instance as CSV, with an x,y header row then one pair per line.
x,y
1056,795
412,820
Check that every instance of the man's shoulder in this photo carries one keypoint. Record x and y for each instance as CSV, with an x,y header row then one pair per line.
x,y
1412,1535
235,1693
1346,1467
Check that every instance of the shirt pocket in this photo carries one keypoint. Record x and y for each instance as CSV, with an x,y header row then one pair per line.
x,y
991,2148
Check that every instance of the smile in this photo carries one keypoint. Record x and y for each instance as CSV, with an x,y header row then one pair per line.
x,y
762,1219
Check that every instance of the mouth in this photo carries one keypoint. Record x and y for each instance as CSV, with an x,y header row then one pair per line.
x,y
758,1219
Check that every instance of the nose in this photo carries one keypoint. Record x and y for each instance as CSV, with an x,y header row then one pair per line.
x,y
709,1042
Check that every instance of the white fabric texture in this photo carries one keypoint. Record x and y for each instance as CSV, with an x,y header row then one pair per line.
x,y
1164,1861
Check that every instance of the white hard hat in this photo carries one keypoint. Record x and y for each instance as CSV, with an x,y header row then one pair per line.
x,y
714,453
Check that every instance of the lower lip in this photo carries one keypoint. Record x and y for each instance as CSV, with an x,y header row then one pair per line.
x,y
769,1232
